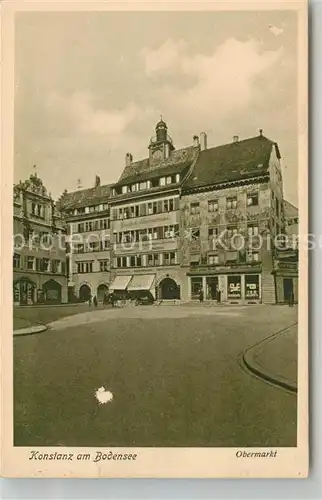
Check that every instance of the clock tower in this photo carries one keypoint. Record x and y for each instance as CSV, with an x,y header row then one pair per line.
x,y
161,144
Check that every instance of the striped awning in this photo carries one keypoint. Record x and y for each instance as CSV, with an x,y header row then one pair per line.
x,y
120,283
141,282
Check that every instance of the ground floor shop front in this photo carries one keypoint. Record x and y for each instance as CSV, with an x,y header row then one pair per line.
x,y
32,288
231,288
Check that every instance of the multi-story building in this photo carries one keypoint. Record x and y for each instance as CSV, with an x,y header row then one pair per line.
x,y
145,218
187,221
87,218
39,260
286,260
233,203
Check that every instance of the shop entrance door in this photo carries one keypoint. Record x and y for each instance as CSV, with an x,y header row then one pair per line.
x,y
288,288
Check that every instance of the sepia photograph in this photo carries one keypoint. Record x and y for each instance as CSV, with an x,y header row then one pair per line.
x,y
155,281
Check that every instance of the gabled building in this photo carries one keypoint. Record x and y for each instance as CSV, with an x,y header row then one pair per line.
x,y
232,204
87,218
39,259
185,224
145,218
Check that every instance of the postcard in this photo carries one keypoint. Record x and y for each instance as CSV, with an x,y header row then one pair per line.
x,y
154,239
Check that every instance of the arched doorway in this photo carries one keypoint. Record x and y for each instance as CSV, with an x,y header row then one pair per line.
x,y
102,290
168,289
52,292
84,293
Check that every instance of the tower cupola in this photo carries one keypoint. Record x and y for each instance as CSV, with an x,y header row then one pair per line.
x,y
161,145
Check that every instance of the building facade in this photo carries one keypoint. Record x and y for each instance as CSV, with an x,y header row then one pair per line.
x,y
87,218
39,260
196,223
145,219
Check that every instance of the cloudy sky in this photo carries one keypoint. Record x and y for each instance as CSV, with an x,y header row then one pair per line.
x,y
91,87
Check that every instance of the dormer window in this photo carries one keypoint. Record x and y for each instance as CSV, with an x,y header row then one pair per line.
x,y
142,186
162,181
124,189
177,177
169,180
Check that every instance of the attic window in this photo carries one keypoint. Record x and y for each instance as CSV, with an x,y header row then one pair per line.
x,y
260,165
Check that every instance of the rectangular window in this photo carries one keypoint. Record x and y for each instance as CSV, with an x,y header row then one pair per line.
x,y
231,231
124,261
45,265
196,287
124,189
162,181
38,264
93,246
142,186
213,259
139,261
195,234
252,199
166,259
234,287
153,259
252,257
252,286
166,206
104,245
213,206
252,230
118,262
56,266
132,261
81,227
150,209
194,208
104,265
231,203
168,180
171,205
16,261
172,258
212,232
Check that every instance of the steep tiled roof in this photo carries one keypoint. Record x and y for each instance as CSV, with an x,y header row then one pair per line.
x,y
82,197
231,162
178,161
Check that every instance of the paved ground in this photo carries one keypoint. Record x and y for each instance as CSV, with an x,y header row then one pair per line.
x,y
174,372
275,358
28,316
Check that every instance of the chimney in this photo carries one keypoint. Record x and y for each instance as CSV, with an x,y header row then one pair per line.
x,y
97,181
203,141
261,132
196,141
235,138
128,159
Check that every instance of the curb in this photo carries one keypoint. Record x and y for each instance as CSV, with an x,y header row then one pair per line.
x,y
31,330
250,363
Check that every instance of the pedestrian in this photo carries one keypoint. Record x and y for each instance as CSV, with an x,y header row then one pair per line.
x,y
291,299
105,300
89,301
218,296
95,301
201,296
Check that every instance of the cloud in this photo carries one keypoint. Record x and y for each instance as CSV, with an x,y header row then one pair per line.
x,y
79,111
220,83
163,59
